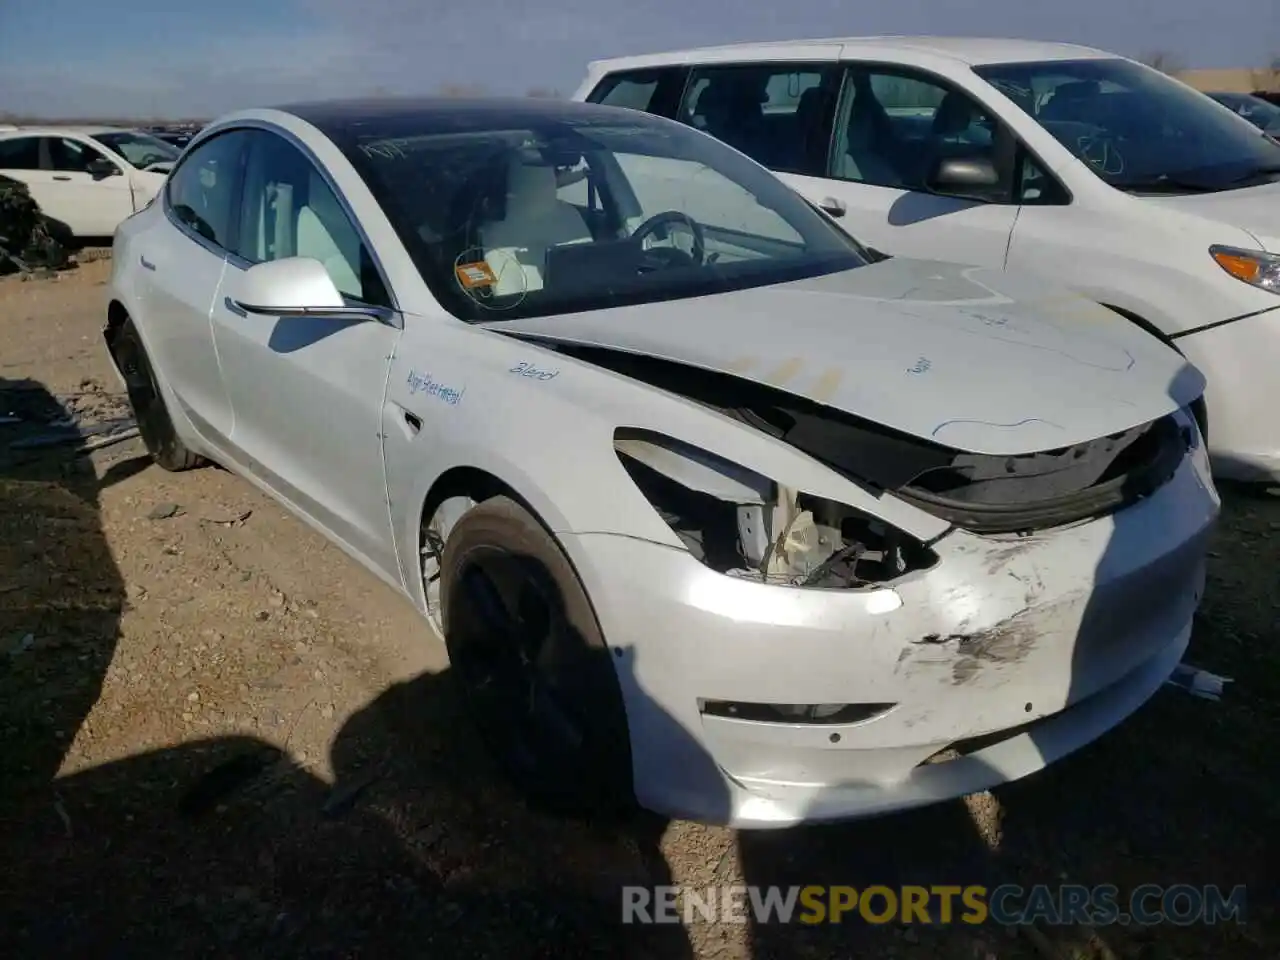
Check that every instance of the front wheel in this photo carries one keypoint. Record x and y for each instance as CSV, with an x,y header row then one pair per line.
x,y
536,672
154,423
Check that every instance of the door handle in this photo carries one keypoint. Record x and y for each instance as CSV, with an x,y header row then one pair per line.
x,y
413,420
146,264
234,307
832,206
61,176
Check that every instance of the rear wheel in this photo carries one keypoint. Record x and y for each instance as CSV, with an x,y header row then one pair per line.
x,y
525,645
154,422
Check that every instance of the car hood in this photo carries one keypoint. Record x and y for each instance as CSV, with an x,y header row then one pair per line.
x,y
969,358
1255,210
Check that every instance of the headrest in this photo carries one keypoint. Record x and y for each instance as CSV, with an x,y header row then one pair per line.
x,y
530,188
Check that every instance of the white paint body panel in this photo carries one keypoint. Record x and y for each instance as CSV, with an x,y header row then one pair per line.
x,y
89,206
1094,616
1145,255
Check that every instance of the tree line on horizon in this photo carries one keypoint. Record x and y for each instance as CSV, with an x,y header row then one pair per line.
x,y
446,90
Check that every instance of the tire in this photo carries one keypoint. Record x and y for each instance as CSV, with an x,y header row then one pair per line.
x,y
154,422
555,723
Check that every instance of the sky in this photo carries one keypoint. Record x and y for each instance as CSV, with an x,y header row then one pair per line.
x,y
205,57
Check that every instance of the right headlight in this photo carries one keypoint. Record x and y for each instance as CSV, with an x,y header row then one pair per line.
x,y
1255,267
745,525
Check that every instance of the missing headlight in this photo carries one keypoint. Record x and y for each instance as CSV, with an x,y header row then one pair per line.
x,y
742,524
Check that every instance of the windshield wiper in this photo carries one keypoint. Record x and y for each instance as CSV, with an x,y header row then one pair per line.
x,y
1270,170
1164,184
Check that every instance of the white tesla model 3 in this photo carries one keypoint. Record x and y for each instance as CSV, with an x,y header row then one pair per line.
x,y
715,510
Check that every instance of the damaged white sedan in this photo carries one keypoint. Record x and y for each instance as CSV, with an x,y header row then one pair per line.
x,y
715,510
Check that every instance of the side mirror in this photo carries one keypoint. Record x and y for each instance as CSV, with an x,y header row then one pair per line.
x,y
296,287
101,168
968,178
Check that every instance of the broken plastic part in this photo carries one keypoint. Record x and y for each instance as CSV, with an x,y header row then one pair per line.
x,y
747,526
979,492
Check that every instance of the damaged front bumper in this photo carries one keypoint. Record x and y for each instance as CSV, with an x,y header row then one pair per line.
x,y
763,705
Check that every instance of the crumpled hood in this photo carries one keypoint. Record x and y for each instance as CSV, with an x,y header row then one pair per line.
x,y
1255,210
966,357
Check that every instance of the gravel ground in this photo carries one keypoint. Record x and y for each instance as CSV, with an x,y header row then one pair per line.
x,y
219,737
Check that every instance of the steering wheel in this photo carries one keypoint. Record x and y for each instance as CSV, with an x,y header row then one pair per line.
x,y
656,226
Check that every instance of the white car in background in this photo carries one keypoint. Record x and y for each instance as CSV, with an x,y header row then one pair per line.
x,y
86,178
712,510
1102,174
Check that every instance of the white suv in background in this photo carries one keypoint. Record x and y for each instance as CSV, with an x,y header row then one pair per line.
x,y
86,178
1101,173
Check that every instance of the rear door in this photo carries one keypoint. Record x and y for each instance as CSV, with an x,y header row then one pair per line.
x,y
181,259
21,159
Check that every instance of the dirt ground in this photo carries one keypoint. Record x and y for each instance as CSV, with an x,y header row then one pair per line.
x,y
220,737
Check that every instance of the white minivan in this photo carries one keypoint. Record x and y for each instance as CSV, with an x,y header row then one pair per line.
x,y
86,178
1098,172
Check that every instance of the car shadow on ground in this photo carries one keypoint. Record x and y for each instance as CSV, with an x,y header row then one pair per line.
x,y
229,847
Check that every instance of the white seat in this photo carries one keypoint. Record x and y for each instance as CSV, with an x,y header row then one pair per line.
x,y
536,220
341,254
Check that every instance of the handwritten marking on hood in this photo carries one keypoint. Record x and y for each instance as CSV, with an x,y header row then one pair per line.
x,y
987,423
922,365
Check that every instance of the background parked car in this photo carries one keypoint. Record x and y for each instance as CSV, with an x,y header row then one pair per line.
x,y
1094,170
86,178
1261,113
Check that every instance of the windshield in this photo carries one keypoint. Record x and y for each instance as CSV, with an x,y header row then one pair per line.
x,y
1136,128
140,149
1263,115
587,210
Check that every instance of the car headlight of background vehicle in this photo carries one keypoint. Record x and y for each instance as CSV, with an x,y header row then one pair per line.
x,y
1254,267
743,524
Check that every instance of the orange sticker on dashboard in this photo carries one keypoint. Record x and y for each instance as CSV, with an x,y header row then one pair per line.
x,y
472,275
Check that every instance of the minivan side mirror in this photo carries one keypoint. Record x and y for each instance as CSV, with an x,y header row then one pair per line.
x,y
296,287
100,168
968,178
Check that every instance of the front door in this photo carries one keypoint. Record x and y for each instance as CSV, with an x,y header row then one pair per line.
x,y
892,127
308,392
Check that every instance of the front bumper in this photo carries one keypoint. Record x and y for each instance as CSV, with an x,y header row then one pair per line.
x,y
1038,644
1239,361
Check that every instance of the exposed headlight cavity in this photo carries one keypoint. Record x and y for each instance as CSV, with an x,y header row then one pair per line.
x,y
742,524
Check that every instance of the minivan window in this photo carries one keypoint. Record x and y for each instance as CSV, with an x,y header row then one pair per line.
x,y
1136,128
532,215
778,114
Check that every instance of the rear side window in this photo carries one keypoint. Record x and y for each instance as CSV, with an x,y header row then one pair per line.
x,y
653,91
202,190
20,153
779,114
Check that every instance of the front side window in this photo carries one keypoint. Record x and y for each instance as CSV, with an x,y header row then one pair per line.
x,y
1136,128
546,214
20,153
201,191
778,114
140,149
894,128
289,210
72,156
